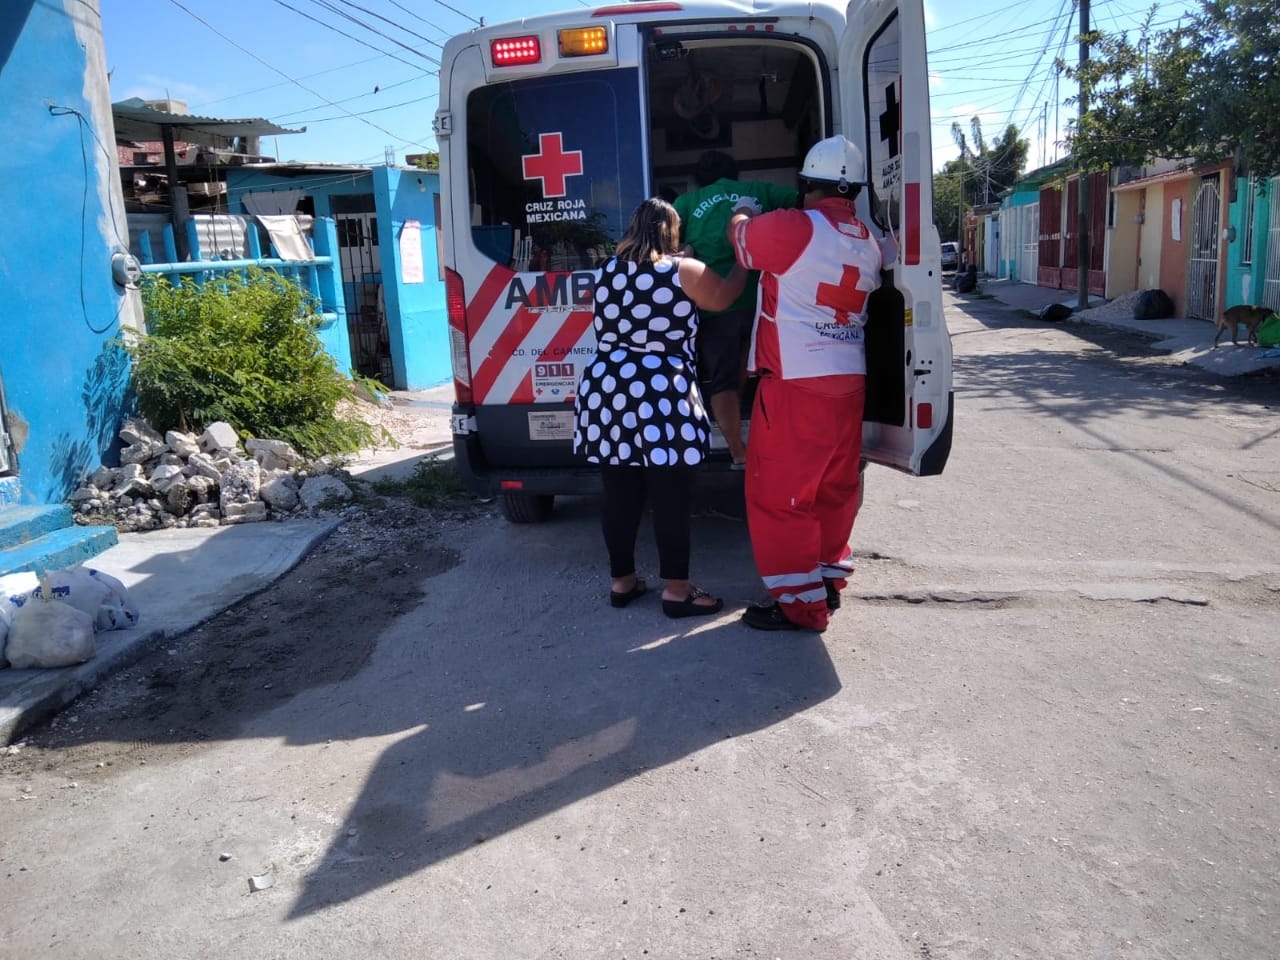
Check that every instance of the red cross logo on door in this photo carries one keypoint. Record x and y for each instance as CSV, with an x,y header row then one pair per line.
x,y
553,165
843,297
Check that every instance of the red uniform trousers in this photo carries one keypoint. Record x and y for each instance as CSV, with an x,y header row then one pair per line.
x,y
802,489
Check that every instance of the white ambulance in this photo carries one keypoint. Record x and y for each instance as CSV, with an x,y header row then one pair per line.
x,y
551,131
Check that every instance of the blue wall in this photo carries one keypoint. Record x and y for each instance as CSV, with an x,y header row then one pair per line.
x,y
416,318
64,382
415,311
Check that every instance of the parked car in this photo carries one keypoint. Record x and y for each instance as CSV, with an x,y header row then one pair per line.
x,y
950,257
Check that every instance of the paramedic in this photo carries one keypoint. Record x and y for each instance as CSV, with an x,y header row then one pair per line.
x,y
723,337
638,412
818,266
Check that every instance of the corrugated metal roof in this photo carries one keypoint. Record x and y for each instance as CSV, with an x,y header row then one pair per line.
x,y
135,121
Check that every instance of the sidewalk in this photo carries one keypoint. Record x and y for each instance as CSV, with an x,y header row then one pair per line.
x,y
1184,340
181,578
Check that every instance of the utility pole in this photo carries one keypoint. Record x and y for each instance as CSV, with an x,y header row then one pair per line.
x,y
960,218
1082,191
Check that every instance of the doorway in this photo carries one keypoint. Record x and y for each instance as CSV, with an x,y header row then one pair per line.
x,y
360,261
1202,266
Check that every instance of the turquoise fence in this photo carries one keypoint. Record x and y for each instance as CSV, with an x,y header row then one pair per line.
x,y
319,276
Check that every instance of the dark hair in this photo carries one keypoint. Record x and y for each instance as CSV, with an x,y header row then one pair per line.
x,y
653,233
715,165
829,188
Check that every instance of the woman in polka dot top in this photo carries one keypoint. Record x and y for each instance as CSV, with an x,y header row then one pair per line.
x,y
638,411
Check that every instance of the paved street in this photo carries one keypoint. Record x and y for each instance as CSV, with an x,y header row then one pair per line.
x,y
1044,724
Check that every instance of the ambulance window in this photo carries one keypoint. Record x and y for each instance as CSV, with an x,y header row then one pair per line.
x,y
556,167
883,72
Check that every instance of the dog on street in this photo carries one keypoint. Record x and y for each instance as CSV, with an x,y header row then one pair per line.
x,y
1232,317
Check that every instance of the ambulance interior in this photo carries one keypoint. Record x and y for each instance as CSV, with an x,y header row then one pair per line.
x,y
759,102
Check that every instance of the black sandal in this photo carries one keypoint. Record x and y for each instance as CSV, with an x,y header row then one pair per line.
x,y
688,608
617,599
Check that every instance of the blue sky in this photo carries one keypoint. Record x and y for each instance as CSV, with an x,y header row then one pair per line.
x,y
361,92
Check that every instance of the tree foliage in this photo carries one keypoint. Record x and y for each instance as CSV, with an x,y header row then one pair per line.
x,y
1205,89
244,350
984,169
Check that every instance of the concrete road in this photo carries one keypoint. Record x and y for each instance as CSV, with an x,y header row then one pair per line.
x,y
1043,726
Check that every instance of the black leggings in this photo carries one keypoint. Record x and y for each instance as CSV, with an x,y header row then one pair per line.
x,y
625,491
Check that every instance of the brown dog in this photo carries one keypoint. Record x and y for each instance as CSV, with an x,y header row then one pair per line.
x,y
1232,317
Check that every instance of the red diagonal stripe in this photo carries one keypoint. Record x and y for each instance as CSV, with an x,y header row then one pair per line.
x,y
518,326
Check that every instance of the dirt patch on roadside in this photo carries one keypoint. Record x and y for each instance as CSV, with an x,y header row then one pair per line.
x,y
316,625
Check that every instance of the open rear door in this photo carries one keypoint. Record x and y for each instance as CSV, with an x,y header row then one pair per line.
x,y
884,104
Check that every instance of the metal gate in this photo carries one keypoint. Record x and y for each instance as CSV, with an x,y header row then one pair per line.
x,y
1202,251
1271,279
361,265
1029,262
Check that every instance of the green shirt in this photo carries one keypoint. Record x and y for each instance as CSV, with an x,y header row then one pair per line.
x,y
704,215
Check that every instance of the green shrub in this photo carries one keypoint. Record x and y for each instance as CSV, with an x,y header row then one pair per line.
x,y
244,350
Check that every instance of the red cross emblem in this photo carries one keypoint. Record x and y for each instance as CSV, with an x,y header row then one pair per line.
x,y
552,164
843,297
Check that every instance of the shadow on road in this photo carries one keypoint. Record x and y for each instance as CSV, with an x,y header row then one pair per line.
x,y
545,703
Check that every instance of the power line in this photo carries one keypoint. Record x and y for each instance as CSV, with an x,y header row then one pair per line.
x,y
333,8
297,83
329,26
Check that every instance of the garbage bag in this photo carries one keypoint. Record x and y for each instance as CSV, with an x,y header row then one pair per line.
x,y
117,611
49,634
74,586
1152,305
1269,331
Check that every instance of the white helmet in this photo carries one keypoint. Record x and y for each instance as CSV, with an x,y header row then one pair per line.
x,y
835,160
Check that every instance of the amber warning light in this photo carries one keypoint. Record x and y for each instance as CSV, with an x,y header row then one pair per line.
x,y
583,41
513,51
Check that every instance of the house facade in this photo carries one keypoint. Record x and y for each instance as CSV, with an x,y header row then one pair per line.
x,y
1253,248
389,250
1169,232
63,256
1208,236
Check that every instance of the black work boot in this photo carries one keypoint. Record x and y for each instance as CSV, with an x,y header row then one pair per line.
x,y
771,617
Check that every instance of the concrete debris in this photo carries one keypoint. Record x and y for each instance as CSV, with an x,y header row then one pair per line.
x,y
181,480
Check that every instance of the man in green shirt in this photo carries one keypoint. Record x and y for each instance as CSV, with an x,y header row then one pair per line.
x,y
723,338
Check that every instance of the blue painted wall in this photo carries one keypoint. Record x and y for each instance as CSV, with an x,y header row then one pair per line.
x,y
63,379
415,312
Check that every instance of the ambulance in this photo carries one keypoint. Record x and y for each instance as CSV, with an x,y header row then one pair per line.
x,y
552,129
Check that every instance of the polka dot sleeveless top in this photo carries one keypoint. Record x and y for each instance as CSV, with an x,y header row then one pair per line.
x,y
638,402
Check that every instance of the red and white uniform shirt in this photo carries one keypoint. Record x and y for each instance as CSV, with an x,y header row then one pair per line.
x,y
818,266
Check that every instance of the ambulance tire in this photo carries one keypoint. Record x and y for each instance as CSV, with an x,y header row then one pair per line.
x,y
527,507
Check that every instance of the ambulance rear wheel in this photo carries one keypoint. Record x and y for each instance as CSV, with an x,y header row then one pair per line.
x,y
527,507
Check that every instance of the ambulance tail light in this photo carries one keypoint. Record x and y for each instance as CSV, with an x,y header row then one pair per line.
x,y
583,41
924,416
515,51
456,309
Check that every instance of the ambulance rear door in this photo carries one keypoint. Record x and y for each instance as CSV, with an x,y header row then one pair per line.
x,y
884,108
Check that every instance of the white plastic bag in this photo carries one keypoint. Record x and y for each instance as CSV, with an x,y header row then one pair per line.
x,y
117,611
75,586
49,634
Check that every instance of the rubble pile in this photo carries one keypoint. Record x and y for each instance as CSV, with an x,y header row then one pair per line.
x,y
184,480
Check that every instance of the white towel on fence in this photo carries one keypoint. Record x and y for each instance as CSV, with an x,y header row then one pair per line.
x,y
287,237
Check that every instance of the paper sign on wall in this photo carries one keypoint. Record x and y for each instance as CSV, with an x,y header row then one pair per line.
x,y
411,252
